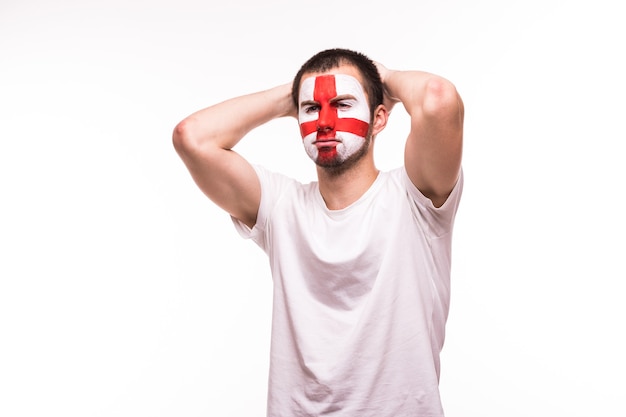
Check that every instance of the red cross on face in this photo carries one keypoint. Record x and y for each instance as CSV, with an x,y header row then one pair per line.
x,y
333,115
330,115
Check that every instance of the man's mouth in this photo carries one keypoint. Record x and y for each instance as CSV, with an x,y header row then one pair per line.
x,y
327,138
326,143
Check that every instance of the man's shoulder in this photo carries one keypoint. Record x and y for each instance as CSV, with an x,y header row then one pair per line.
x,y
394,178
277,184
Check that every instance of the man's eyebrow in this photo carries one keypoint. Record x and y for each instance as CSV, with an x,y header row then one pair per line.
x,y
308,102
342,97
332,100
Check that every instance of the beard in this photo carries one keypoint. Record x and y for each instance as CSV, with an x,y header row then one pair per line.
x,y
340,158
337,165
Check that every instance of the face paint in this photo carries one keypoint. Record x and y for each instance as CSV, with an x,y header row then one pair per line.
x,y
334,117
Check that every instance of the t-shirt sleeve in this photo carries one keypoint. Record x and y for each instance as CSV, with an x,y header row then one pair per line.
x,y
273,185
437,221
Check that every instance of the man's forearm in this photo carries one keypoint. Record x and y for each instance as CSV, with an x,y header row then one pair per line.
x,y
224,124
407,87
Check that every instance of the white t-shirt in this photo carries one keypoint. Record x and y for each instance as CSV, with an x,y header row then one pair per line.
x,y
361,297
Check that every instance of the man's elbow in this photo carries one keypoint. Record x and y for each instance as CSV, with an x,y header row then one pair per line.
x,y
441,100
183,137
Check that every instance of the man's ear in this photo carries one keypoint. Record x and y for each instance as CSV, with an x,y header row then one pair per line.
x,y
379,120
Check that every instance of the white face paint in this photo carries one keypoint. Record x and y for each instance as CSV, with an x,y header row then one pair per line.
x,y
334,117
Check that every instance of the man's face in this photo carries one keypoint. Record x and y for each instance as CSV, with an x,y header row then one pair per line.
x,y
334,118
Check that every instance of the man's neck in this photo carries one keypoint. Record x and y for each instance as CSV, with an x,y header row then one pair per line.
x,y
339,190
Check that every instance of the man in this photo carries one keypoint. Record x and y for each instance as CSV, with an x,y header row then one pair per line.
x,y
360,258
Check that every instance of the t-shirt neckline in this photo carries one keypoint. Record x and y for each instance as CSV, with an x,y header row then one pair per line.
x,y
342,212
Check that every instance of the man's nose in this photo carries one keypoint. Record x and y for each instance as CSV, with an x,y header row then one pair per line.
x,y
327,118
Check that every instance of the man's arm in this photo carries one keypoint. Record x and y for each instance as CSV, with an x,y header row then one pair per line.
x,y
205,139
433,150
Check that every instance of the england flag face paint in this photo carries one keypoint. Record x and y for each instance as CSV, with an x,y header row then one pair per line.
x,y
334,117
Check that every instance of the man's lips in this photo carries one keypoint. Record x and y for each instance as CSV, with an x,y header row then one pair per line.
x,y
326,143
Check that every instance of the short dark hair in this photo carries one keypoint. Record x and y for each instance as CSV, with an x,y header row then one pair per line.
x,y
332,58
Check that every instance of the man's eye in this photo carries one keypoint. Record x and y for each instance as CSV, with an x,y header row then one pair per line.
x,y
343,105
311,109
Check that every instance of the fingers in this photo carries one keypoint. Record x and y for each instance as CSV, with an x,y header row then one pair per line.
x,y
382,70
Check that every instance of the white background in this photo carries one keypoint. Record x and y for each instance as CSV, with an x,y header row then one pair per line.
x,y
125,292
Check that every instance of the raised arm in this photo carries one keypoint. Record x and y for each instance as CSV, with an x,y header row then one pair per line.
x,y
205,139
433,150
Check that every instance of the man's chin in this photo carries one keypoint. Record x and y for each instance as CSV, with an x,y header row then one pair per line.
x,y
335,162
324,156
328,163
332,163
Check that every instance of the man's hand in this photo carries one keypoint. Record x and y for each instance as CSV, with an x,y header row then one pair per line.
x,y
388,100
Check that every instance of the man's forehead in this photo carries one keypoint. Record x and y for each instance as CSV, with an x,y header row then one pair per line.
x,y
330,85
